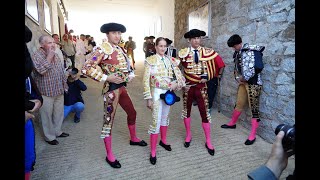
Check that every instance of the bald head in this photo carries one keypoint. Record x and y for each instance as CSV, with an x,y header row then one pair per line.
x,y
46,42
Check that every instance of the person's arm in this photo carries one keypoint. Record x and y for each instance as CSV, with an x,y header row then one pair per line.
x,y
146,81
277,162
81,85
220,64
89,68
43,65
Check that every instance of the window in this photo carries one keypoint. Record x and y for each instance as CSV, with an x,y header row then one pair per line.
x,y
31,10
47,18
200,19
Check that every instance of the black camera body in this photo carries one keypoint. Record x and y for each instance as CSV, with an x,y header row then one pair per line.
x,y
288,141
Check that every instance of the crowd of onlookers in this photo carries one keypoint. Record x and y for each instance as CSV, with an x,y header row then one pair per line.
x,y
53,86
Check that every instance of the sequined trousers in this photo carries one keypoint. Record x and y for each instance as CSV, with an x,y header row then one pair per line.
x,y
249,94
111,100
160,111
199,95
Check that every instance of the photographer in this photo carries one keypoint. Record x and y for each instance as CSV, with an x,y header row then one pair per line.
x,y
277,162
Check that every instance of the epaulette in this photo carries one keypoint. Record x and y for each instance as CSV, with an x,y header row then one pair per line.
x,y
247,46
107,48
175,61
152,60
183,52
208,50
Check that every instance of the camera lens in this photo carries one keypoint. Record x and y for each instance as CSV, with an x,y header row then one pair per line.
x,y
282,127
288,140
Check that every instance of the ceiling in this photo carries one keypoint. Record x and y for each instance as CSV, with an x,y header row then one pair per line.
x,y
87,16
114,6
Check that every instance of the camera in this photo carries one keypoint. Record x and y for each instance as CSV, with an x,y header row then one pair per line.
x,y
288,141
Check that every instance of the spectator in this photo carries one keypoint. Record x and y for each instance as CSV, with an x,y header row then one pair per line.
x,y
80,53
130,46
171,51
69,47
52,82
151,50
145,43
73,101
277,162
33,101
58,46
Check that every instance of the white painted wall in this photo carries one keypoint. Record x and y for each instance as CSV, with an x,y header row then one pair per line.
x,y
165,10
54,16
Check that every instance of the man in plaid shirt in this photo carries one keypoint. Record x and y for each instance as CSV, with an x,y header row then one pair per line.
x,y
51,81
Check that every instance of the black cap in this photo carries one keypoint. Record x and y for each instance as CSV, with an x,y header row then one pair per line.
x,y
168,41
194,33
74,71
151,37
234,40
112,27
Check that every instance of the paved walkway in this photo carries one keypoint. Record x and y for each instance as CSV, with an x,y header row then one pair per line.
x,y
82,154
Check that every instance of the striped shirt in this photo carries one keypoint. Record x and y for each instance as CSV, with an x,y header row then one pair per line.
x,y
49,77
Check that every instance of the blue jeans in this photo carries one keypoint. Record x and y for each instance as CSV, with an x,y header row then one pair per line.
x,y
29,146
76,108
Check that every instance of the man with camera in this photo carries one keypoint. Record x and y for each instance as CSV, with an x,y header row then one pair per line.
x,y
282,148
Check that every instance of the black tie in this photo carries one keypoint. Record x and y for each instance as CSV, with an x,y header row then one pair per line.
x,y
196,58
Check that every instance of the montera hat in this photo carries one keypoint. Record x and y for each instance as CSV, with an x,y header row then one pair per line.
x,y
112,27
168,41
194,33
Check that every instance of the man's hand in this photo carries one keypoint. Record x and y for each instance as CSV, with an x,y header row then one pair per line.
x,y
27,116
203,80
149,104
37,105
51,55
186,88
174,86
278,159
115,79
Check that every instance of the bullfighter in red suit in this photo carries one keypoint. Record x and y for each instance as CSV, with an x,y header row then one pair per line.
x,y
116,72
199,66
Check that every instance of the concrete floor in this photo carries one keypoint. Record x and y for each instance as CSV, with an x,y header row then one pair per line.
x,y
82,154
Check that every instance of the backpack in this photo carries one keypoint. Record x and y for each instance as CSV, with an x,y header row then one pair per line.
x,y
257,52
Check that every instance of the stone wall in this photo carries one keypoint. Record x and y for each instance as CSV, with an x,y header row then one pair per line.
x,y
270,23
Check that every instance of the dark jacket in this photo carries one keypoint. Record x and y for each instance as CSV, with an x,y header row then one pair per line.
x,y
35,94
74,92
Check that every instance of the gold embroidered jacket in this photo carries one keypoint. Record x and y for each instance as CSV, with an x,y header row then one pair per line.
x,y
205,67
160,74
112,60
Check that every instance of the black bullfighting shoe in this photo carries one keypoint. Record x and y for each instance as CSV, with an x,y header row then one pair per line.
x,y
141,143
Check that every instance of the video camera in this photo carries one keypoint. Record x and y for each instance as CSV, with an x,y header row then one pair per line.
x,y
288,141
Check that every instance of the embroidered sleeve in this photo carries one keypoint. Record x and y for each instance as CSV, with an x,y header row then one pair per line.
x,y
91,68
146,81
41,64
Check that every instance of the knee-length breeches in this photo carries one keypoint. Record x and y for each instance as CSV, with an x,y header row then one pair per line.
x,y
249,94
201,97
160,111
111,101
